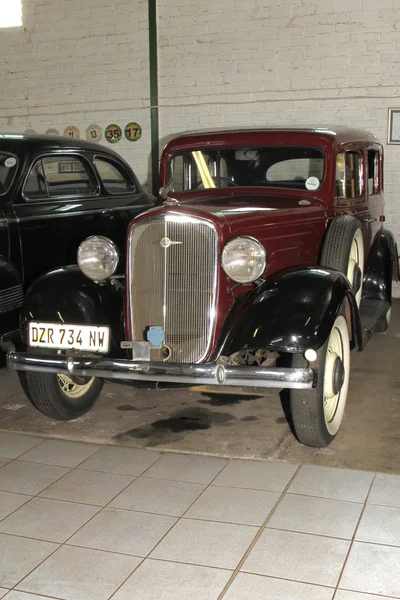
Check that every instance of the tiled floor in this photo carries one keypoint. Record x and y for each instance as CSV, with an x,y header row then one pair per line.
x,y
86,522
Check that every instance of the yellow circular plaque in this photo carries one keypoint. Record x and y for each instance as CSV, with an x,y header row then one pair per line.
x,y
133,132
113,133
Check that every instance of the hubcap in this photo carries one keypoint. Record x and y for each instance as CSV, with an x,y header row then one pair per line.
x,y
72,389
334,374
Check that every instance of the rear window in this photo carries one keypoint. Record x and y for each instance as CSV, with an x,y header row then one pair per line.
x,y
115,181
289,167
59,176
8,168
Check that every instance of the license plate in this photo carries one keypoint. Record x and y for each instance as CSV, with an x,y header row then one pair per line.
x,y
72,337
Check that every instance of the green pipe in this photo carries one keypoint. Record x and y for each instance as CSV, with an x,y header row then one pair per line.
x,y
154,122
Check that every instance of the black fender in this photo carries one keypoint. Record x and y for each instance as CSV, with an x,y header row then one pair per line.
x,y
11,295
291,312
381,269
65,295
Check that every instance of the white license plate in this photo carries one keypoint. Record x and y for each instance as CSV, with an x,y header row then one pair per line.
x,y
72,337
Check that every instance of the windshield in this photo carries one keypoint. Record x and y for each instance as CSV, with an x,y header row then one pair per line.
x,y
290,167
8,167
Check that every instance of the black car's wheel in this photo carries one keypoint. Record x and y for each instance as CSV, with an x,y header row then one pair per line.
x,y
343,250
318,413
60,396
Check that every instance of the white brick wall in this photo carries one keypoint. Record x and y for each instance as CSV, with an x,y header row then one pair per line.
x,y
78,62
258,62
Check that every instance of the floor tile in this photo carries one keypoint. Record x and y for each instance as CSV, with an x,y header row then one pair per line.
x,y
13,445
344,595
80,574
3,462
256,587
206,543
51,520
122,461
87,487
10,502
158,496
322,516
380,524
372,569
385,490
298,556
338,484
173,581
60,453
258,475
233,505
28,478
13,595
123,531
3,591
19,556
187,467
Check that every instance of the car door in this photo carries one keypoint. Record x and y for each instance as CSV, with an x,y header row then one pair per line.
x,y
352,197
374,189
62,203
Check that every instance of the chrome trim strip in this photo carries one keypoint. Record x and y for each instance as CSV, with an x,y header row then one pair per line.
x,y
3,223
189,373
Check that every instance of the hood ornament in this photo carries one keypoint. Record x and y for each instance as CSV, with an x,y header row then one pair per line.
x,y
163,193
165,242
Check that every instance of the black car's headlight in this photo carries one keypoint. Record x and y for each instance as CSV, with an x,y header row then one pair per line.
x,y
98,257
244,259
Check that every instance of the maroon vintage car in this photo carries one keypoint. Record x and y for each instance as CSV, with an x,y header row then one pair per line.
x,y
266,264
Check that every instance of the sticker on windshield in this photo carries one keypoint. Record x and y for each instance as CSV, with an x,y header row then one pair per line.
x,y
10,162
246,154
312,183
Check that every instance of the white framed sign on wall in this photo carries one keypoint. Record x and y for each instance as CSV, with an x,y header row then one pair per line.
x,y
394,126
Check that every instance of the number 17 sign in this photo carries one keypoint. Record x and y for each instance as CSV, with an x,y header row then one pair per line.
x,y
133,132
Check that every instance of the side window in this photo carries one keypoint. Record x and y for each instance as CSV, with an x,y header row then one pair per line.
x,y
35,186
373,172
58,176
348,175
115,181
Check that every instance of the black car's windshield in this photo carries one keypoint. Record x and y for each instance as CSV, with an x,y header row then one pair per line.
x,y
289,167
8,167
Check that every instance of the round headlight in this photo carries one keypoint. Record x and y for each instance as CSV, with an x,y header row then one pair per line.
x,y
244,259
97,257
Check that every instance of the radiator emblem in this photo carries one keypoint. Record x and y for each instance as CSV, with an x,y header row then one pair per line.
x,y
165,242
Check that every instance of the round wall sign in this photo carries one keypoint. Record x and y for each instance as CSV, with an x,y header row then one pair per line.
x,y
113,133
94,133
72,132
133,132
52,131
30,131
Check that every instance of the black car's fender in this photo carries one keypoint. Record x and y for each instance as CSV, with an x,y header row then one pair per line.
x,y
66,296
11,296
381,269
291,312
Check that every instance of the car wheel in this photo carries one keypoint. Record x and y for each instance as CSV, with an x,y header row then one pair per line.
x,y
343,250
60,396
318,413
385,322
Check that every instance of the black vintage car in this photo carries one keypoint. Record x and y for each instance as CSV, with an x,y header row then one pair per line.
x,y
54,192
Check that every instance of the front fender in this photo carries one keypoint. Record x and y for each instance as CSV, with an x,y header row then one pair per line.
x,y
292,312
67,296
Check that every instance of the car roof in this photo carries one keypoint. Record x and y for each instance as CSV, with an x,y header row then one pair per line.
x,y
17,142
337,134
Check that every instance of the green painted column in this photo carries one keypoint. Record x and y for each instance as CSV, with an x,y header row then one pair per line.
x,y
153,63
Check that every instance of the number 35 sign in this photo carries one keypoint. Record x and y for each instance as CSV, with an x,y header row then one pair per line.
x,y
113,133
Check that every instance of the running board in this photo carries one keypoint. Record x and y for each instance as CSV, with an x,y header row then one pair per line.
x,y
371,314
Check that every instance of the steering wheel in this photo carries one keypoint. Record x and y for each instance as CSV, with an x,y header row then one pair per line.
x,y
216,179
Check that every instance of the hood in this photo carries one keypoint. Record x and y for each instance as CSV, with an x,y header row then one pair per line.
x,y
241,212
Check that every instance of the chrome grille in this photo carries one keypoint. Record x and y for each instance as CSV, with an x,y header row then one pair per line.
x,y
11,298
174,287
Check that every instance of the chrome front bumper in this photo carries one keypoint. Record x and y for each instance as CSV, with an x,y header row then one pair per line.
x,y
191,374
